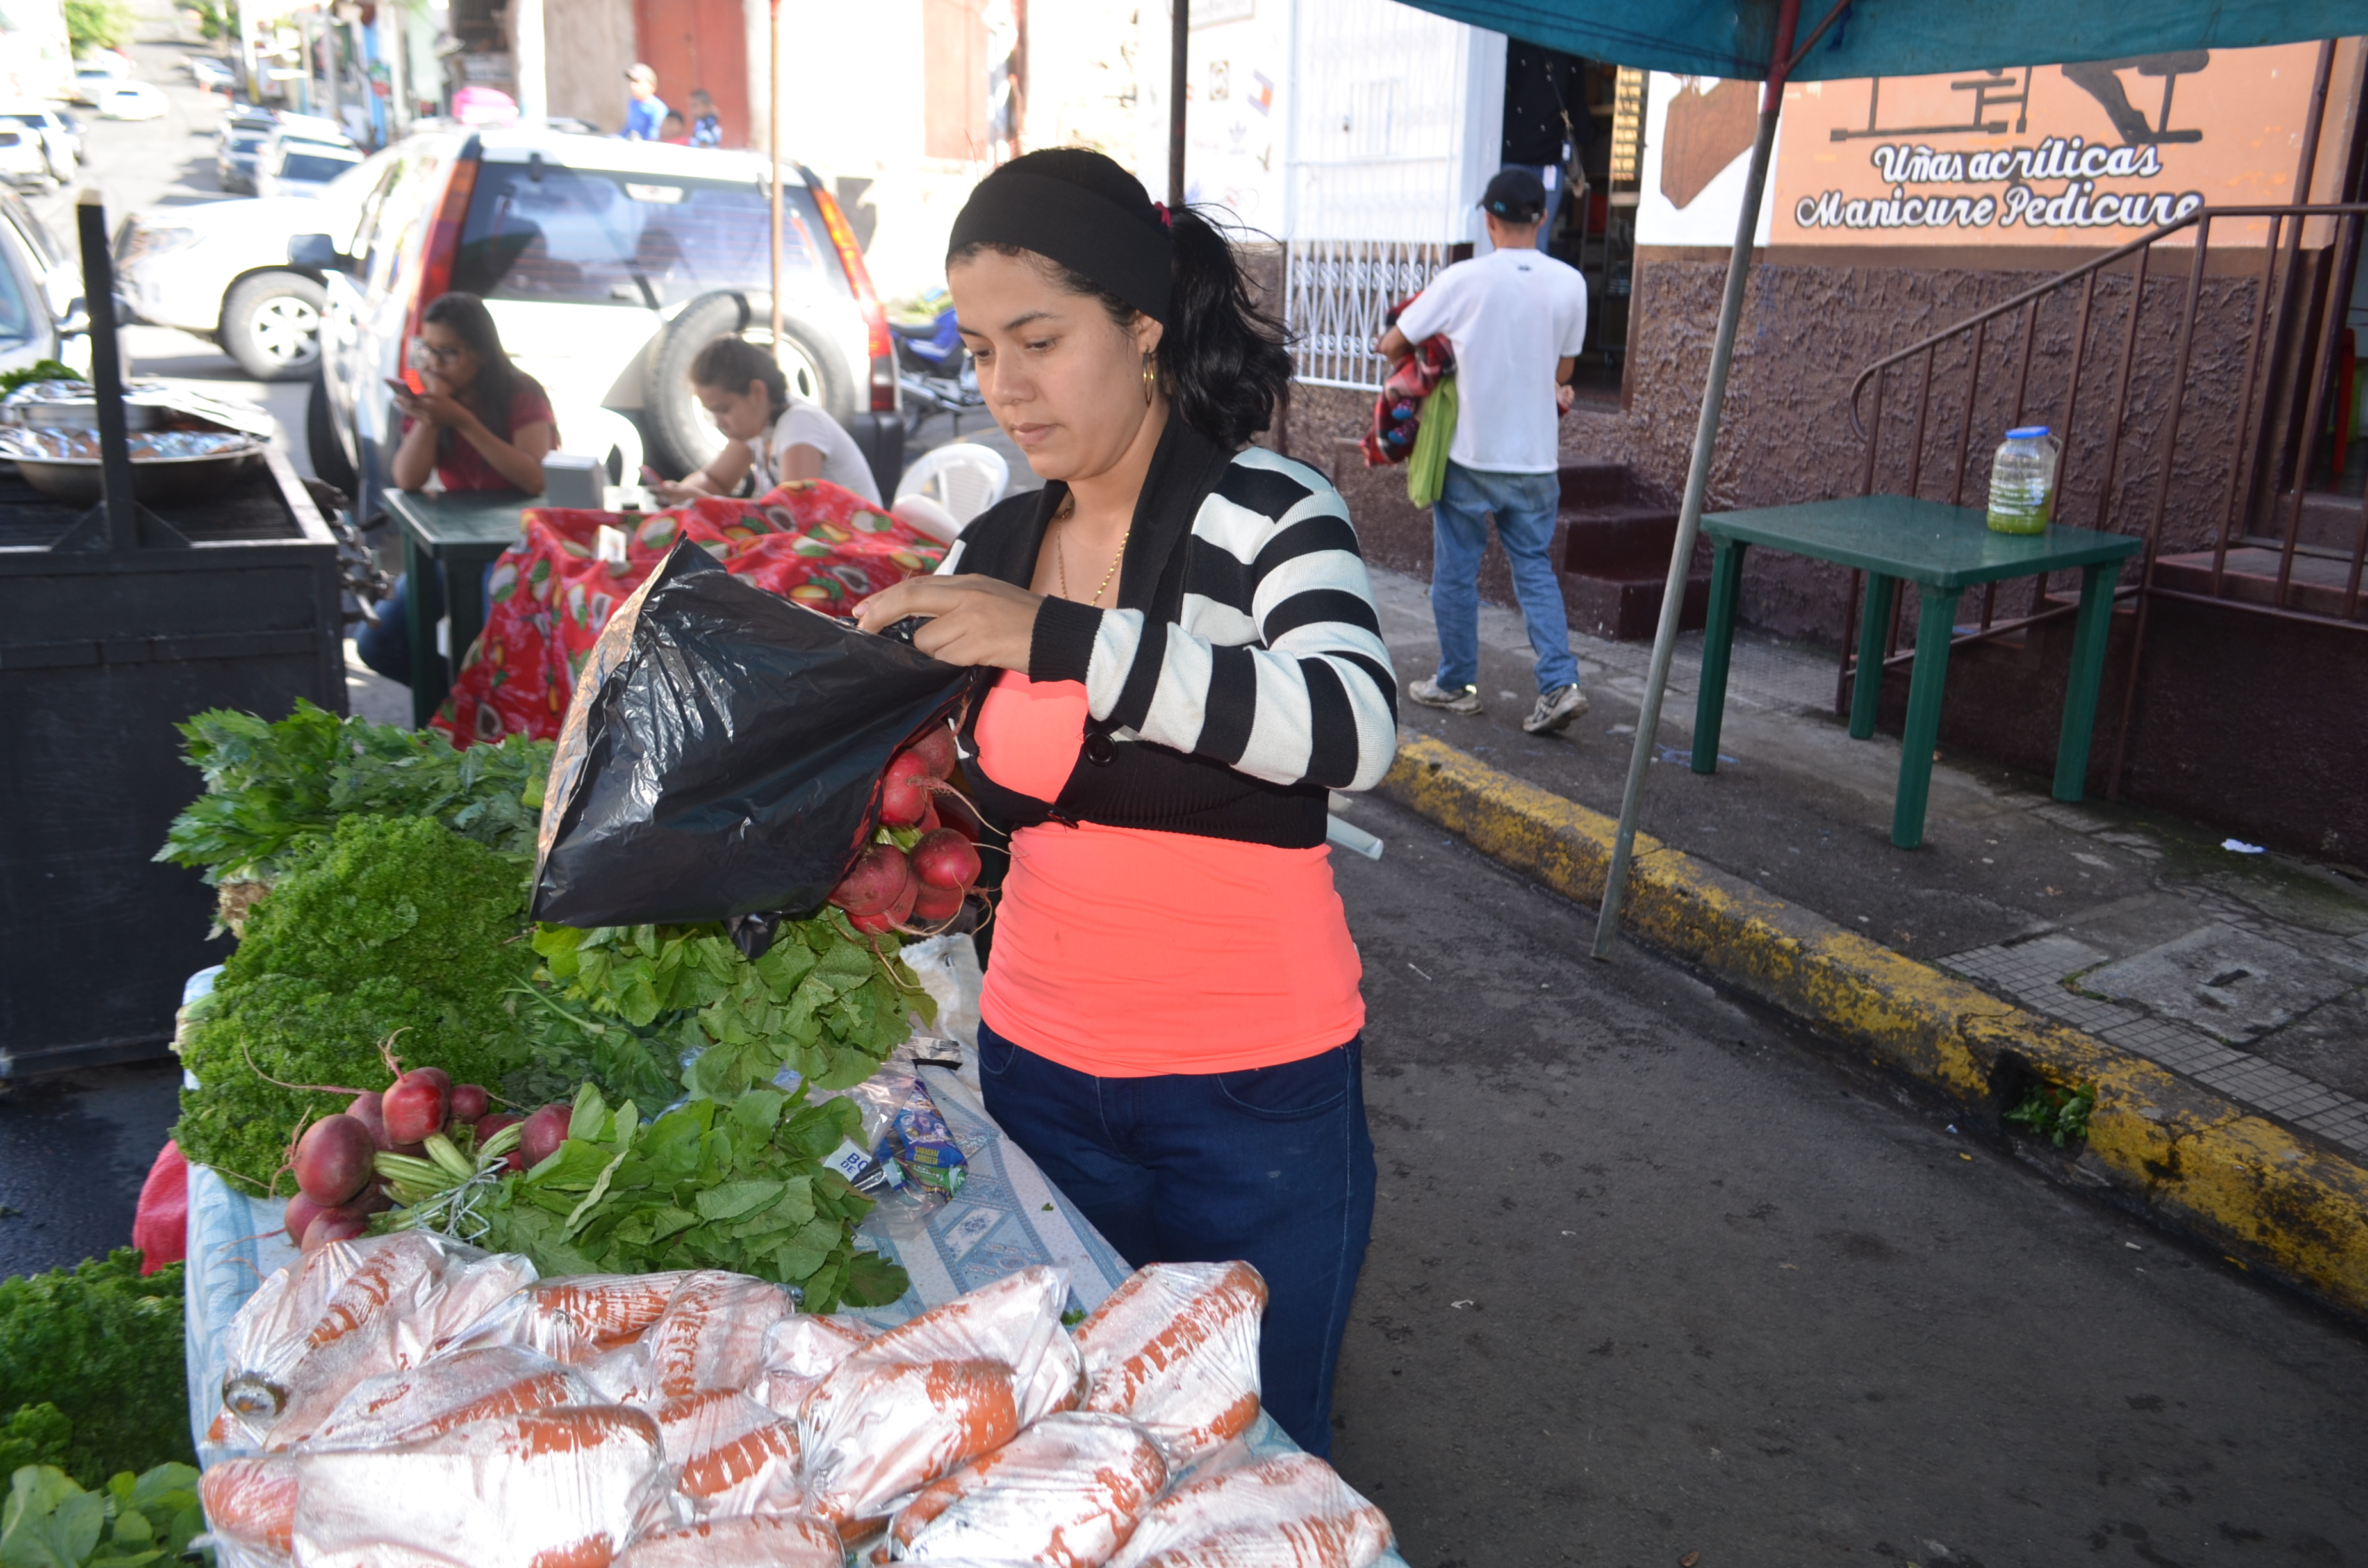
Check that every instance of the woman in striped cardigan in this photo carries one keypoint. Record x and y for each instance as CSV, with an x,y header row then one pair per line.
x,y
1189,661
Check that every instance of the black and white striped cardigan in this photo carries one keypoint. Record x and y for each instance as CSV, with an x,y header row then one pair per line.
x,y
1240,674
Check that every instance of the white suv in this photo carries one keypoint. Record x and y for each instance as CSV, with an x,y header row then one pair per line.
x,y
607,265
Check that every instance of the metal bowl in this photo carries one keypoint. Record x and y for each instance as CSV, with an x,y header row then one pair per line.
x,y
76,480
81,414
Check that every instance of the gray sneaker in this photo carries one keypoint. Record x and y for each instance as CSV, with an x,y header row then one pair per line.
x,y
1455,699
1554,710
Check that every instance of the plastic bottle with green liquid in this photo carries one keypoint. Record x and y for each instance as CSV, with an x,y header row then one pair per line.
x,y
2023,481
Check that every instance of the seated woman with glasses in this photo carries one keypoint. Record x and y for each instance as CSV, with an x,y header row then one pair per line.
x,y
479,423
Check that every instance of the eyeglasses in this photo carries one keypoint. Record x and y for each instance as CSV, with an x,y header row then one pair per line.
x,y
423,353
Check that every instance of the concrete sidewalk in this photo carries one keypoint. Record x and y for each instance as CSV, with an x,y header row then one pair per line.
x,y
2236,977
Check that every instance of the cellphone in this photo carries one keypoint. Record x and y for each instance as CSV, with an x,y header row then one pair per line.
x,y
396,386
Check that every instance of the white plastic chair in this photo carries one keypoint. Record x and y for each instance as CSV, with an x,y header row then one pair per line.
x,y
964,477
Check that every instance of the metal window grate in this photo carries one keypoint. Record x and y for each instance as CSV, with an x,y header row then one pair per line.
x,y
1334,300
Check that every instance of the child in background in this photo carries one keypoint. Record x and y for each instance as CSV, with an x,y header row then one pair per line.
x,y
673,130
706,126
767,429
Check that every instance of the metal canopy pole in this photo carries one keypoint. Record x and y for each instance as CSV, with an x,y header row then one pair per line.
x,y
1681,554
773,157
1180,77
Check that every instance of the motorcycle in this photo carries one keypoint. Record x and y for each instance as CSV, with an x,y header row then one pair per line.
x,y
934,368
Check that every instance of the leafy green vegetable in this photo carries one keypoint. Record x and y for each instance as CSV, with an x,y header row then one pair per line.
x,y
822,1001
102,1346
270,786
705,1185
390,927
2056,1114
38,370
51,1522
36,1434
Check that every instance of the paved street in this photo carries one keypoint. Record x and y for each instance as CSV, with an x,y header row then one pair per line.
x,y
1651,1277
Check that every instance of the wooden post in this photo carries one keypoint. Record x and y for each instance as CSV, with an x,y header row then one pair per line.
x,y
773,156
1180,77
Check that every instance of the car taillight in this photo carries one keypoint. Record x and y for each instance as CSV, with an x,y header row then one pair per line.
x,y
880,347
442,249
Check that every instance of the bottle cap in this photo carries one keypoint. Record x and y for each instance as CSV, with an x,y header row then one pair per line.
x,y
2027,433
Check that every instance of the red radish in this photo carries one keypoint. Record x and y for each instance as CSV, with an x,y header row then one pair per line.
x,y
935,906
546,1130
299,1217
470,1104
905,791
417,1105
335,1225
929,823
895,915
880,873
333,1160
935,750
944,859
367,1110
375,1199
493,1124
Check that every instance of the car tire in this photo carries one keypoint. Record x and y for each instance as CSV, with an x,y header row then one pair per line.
x,y
681,436
330,464
272,325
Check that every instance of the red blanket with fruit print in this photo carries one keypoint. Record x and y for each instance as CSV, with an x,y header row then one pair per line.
x,y
551,593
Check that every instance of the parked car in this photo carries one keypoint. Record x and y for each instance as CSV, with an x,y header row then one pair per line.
x,y
41,311
293,164
24,161
213,74
130,101
238,137
61,137
221,269
606,266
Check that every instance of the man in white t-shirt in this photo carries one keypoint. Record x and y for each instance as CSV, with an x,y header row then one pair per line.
x,y
1517,318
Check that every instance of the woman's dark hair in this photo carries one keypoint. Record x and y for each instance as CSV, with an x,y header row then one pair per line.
x,y
1222,359
465,316
732,362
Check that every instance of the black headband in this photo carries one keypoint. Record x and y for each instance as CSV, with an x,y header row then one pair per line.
x,y
1084,232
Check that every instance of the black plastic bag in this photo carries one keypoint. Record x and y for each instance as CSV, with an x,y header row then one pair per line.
x,y
723,754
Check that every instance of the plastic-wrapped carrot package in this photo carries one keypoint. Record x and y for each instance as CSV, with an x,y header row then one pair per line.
x,y
711,1334
1285,1511
1067,1491
403,1297
267,1338
876,1431
450,1391
1291,1511
1015,1320
569,1487
800,1351
251,1509
579,1317
794,1542
1175,1348
731,1456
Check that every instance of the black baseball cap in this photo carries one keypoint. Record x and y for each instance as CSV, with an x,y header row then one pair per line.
x,y
1515,195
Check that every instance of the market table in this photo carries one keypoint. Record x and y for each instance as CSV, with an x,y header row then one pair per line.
x,y
1006,1217
1943,550
464,533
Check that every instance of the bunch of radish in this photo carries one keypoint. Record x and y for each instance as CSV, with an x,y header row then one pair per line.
x,y
917,869
422,1136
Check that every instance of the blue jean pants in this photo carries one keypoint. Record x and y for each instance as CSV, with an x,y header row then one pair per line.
x,y
1524,507
384,644
1274,1166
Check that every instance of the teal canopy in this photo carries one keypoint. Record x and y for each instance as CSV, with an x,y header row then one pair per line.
x,y
1899,38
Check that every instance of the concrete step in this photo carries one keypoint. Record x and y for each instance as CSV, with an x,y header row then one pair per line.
x,y
1617,541
1628,609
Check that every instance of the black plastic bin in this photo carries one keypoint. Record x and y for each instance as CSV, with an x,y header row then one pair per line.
x,y
116,623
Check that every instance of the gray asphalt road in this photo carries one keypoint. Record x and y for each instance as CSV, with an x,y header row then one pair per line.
x,y
1650,1277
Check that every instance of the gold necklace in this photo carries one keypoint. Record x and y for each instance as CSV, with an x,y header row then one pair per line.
x,y
1060,554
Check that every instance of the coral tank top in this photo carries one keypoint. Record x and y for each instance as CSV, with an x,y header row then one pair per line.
x,y
1127,953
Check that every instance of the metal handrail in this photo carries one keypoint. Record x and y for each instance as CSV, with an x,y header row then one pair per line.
x,y
2094,264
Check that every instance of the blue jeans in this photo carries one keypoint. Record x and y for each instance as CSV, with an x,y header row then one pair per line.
x,y
384,644
1274,1166
1524,506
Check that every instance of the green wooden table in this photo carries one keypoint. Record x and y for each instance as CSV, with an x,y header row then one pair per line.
x,y
1943,550
462,533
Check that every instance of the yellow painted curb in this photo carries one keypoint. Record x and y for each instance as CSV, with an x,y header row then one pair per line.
x,y
2195,1158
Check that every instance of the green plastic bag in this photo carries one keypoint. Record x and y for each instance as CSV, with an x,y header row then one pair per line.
x,y
1427,465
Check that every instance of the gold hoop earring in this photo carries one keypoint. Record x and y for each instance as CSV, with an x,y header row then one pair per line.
x,y
1150,380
